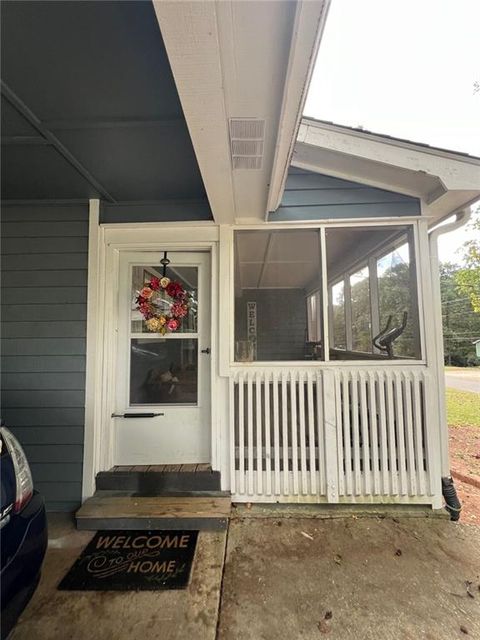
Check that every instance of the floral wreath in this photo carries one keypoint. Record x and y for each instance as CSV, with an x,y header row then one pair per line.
x,y
150,302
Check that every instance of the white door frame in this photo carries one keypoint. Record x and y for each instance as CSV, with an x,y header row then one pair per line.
x,y
106,242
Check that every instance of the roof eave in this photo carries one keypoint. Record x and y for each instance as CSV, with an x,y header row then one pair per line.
x,y
445,181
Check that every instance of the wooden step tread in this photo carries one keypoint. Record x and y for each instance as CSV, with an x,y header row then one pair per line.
x,y
163,468
154,507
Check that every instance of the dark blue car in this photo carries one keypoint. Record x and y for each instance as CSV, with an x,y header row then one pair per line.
x,y
23,531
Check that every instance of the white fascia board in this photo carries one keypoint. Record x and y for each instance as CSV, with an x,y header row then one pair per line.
x,y
239,59
455,171
190,34
365,171
310,18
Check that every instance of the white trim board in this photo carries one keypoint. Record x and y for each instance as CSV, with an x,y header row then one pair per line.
x,y
241,60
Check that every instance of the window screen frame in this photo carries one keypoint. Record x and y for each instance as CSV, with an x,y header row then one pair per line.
x,y
406,226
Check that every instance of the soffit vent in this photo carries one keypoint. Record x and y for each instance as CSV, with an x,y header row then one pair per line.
x,y
247,136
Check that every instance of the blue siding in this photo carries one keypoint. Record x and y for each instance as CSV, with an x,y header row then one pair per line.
x,y
44,293
313,196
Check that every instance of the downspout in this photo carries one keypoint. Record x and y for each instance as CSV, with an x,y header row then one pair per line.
x,y
462,217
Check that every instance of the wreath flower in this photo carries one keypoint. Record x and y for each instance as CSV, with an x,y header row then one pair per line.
x,y
161,315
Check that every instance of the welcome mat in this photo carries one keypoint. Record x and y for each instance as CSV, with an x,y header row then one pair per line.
x,y
133,561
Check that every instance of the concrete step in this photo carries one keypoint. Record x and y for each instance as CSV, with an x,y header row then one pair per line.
x,y
158,482
122,511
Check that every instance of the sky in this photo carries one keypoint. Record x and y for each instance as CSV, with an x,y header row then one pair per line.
x,y
405,68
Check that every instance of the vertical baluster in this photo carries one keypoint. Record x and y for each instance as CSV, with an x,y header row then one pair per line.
x,y
392,449
419,444
303,443
293,430
268,449
311,434
321,435
400,422
365,434
276,434
259,429
232,416
372,405
430,411
241,433
412,479
250,432
340,436
286,466
356,435
347,454
382,432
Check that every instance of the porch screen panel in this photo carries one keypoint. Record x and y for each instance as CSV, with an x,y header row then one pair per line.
x,y
278,308
372,293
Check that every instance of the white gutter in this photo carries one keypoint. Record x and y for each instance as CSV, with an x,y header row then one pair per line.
x,y
462,217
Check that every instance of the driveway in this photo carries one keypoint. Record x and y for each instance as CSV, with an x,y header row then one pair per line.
x,y
463,380
284,578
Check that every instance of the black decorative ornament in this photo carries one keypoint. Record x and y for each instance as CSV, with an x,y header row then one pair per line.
x,y
165,262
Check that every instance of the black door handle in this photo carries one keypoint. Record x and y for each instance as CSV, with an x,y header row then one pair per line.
x,y
207,350
136,415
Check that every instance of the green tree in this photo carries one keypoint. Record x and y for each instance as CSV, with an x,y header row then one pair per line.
x,y
468,277
461,325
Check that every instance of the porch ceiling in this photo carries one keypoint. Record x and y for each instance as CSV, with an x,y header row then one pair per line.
x,y
90,107
290,259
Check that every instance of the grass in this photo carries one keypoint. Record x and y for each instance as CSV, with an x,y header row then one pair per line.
x,y
463,408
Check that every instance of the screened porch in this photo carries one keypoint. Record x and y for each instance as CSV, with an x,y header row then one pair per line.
x,y
330,396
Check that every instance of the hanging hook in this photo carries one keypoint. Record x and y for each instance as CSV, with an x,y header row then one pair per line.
x,y
165,262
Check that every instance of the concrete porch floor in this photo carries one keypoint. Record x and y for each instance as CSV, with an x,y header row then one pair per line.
x,y
384,578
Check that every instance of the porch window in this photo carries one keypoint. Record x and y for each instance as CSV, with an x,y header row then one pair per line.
x,y
369,282
375,268
278,307
337,306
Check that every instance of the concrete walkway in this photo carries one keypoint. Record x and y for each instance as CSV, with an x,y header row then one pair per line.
x,y
353,579
117,615
463,380
285,578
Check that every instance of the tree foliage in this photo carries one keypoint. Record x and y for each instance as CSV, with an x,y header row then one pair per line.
x,y
468,277
461,325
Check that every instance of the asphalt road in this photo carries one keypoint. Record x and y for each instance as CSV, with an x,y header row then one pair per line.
x,y
463,381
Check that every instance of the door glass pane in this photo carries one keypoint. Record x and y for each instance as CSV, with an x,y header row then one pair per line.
x,y
163,371
161,301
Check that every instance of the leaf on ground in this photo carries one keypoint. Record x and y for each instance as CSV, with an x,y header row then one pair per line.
x,y
398,552
323,626
328,615
338,558
464,629
306,535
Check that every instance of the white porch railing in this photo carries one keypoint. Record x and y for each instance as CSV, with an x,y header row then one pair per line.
x,y
349,434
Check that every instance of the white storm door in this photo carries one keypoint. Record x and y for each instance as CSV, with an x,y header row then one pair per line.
x,y
167,375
